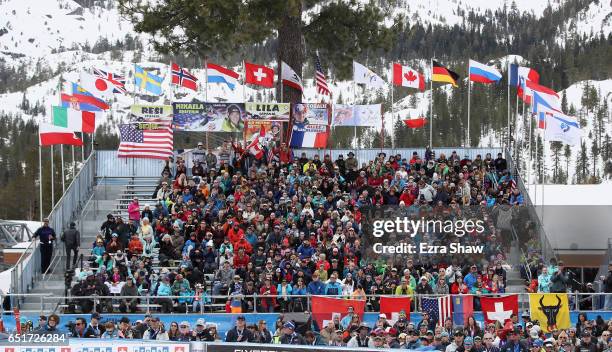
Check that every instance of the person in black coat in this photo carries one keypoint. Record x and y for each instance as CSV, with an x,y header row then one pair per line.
x,y
240,333
514,339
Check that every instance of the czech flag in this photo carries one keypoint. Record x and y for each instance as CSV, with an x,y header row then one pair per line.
x,y
483,74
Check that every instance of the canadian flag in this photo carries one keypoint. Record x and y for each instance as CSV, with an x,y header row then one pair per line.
x,y
404,76
254,148
259,75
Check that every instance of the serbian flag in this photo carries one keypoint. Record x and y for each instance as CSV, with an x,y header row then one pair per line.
x,y
482,73
181,77
404,76
221,75
416,123
499,309
392,306
259,75
49,134
76,97
325,308
443,74
75,120
463,308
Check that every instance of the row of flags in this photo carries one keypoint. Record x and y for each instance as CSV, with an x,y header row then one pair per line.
x,y
550,309
97,86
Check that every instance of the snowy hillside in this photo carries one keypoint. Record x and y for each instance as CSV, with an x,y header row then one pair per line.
x,y
595,19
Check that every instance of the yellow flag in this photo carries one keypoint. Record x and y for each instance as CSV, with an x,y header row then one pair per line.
x,y
551,310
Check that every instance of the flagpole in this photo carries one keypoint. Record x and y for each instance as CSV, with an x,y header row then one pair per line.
x,y
354,103
468,110
392,119
73,162
205,89
62,166
431,106
529,165
243,82
40,181
52,181
82,147
280,81
508,74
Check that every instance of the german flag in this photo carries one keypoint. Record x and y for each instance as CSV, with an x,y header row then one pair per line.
x,y
442,74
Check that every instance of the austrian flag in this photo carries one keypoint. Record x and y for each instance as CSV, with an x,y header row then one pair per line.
x,y
404,76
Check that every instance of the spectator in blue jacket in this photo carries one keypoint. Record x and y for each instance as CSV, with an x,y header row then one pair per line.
x,y
333,287
471,278
316,287
305,250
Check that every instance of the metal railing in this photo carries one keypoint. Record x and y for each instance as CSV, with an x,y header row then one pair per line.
x,y
148,302
28,268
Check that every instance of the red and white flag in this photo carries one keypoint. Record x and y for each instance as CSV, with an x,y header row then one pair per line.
x,y
404,76
181,77
49,134
259,75
97,86
499,309
290,78
254,148
392,306
325,308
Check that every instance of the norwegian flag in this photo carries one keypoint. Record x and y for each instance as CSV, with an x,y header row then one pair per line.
x,y
116,80
181,77
322,87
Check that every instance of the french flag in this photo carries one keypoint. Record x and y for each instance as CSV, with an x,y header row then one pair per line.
x,y
516,72
482,73
309,136
222,75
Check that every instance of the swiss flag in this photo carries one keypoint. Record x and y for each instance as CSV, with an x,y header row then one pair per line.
x,y
324,308
499,308
416,123
392,306
404,76
259,75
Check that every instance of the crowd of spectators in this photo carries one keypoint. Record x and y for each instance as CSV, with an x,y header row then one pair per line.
x,y
236,226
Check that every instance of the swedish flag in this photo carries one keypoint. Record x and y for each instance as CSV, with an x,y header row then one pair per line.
x,y
145,80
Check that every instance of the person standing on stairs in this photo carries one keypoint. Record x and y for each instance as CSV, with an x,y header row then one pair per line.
x,y
46,235
72,241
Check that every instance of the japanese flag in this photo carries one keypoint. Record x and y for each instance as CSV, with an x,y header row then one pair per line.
x,y
404,76
97,86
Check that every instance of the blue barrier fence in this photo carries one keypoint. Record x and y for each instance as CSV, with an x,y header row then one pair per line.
x,y
225,321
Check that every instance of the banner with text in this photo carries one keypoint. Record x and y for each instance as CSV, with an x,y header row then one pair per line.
x,y
357,115
271,129
142,112
268,111
210,117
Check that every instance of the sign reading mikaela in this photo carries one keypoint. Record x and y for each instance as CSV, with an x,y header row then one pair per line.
x,y
140,112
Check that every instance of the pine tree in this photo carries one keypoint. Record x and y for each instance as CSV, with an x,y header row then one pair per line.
x,y
555,149
567,153
582,164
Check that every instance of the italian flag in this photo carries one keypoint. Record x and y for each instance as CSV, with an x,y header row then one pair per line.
x,y
49,134
75,120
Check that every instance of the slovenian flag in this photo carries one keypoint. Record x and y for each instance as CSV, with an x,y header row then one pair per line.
x,y
482,73
76,97
309,136
544,101
220,74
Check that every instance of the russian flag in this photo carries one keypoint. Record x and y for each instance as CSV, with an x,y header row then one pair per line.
x,y
463,308
220,74
517,71
309,136
483,74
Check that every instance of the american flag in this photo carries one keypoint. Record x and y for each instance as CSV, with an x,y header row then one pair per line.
x,y
322,87
438,308
116,80
150,139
